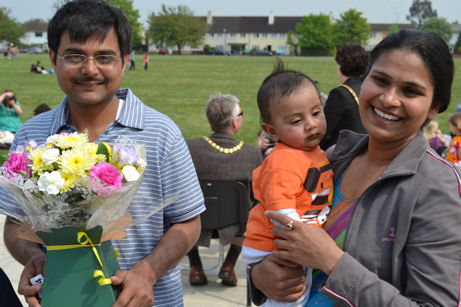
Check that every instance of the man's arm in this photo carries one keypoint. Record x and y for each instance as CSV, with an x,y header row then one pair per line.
x,y
30,255
137,283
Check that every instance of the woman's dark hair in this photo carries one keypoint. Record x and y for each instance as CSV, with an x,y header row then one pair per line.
x,y
353,60
434,52
85,18
6,99
280,83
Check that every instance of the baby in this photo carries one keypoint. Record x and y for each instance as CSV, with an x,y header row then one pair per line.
x,y
296,178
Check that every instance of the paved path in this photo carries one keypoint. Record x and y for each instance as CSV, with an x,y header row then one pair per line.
x,y
213,294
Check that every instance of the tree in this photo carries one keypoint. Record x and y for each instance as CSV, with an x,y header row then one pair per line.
x,y
351,28
420,11
10,30
177,26
315,35
290,42
392,28
126,6
439,26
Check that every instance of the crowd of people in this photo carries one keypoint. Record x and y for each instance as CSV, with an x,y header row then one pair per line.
x,y
354,204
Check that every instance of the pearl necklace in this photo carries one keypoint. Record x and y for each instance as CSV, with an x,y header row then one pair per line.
x,y
224,150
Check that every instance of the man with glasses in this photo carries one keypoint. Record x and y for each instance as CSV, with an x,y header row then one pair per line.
x,y
222,157
88,42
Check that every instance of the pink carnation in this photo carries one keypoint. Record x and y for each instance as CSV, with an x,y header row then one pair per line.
x,y
106,179
16,163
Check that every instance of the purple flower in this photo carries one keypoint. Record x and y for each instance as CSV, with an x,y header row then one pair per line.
x,y
127,155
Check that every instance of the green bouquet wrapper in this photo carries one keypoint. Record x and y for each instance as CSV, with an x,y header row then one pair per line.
x,y
69,270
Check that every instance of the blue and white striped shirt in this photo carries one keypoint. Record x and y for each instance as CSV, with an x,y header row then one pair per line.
x,y
169,171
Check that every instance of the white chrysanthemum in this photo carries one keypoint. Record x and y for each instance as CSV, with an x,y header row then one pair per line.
x,y
50,156
52,139
130,173
50,183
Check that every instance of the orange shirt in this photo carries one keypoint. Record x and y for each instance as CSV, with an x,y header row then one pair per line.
x,y
287,178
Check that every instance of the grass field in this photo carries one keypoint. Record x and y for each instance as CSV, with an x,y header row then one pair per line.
x,y
180,86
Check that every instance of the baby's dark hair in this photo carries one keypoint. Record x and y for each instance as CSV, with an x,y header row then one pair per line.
x,y
280,83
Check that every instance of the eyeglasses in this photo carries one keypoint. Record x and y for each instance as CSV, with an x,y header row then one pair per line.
x,y
240,114
102,61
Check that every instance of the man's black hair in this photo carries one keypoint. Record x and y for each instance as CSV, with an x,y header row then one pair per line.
x,y
85,18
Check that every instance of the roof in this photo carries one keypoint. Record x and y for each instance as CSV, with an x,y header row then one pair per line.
x,y
35,25
249,24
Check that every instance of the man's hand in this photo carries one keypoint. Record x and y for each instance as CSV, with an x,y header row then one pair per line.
x,y
280,283
136,289
33,267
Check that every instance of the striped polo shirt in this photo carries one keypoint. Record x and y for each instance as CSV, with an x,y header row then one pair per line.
x,y
169,172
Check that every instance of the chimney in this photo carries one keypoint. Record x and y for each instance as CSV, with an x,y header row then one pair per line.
x,y
271,18
209,19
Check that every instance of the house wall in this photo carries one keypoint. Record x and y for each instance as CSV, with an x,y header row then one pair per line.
x,y
35,38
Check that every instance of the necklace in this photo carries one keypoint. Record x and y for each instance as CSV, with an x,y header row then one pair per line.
x,y
224,150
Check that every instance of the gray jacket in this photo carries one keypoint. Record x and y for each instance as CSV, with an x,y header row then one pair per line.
x,y
403,242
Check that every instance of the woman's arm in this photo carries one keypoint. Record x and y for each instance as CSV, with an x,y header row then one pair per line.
x,y
17,108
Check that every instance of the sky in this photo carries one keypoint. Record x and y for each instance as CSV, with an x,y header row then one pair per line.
x,y
382,11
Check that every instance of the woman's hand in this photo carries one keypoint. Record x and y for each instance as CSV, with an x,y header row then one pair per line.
x,y
306,245
280,283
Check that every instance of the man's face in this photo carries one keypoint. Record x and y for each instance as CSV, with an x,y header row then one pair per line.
x,y
89,83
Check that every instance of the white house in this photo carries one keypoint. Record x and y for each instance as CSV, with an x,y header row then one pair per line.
x,y
36,34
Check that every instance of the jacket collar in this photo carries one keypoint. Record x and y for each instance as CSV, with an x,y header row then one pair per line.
x,y
222,135
350,144
131,114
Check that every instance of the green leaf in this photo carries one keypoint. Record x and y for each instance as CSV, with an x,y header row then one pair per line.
x,y
24,174
102,150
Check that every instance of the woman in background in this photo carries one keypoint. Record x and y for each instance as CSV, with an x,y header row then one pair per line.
x,y
342,106
10,110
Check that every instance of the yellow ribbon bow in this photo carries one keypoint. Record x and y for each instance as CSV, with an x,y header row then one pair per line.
x,y
97,273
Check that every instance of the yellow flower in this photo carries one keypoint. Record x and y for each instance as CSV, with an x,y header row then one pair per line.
x,y
70,180
76,161
71,140
92,149
38,165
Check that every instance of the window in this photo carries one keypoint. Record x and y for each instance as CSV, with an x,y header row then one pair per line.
x,y
219,34
274,35
38,34
282,35
232,35
372,35
256,47
256,35
210,35
242,35
264,35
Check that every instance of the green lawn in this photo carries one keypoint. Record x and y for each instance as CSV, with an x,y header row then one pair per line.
x,y
180,86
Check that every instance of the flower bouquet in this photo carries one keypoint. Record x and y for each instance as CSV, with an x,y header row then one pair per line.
x,y
74,195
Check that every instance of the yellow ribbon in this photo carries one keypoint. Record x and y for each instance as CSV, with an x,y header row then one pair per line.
x,y
86,243
97,273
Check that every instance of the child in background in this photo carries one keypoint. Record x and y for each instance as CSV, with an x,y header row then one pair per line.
x,y
146,60
435,137
296,179
454,149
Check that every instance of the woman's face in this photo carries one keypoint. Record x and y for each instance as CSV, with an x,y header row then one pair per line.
x,y
396,97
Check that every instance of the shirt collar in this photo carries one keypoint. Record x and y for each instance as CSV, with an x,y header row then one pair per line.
x,y
131,115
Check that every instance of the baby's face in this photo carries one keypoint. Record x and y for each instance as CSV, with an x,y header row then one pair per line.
x,y
298,120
